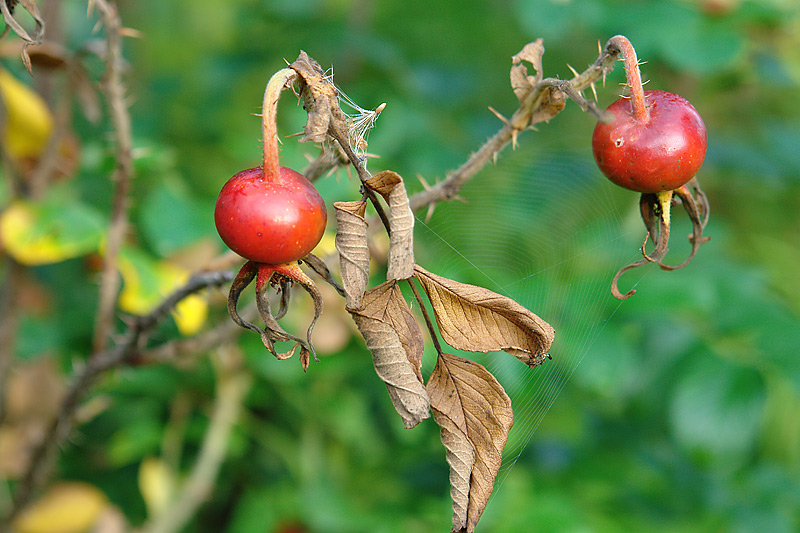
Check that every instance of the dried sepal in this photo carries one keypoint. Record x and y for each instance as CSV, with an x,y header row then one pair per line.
x,y
401,223
245,276
478,320
395,341
475,416
353,248
321,269
656,215
698,211
282,277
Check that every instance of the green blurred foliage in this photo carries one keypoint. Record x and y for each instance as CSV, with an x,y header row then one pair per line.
x,y
684,414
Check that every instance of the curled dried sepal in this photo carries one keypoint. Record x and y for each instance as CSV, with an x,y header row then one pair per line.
x,y
321,269
655,209
698,211
245,276
283,277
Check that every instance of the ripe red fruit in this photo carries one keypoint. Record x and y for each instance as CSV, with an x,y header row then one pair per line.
x,y
270,219
660,153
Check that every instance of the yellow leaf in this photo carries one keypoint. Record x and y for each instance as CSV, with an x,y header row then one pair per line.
x,y
147,283
65,508
156,483
28,120
28,243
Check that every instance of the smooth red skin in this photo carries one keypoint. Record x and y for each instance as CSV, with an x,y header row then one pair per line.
x,y
272,222
659,155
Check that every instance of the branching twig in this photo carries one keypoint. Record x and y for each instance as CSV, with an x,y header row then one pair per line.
x,y
174,352
232,386
125,352
121,120
542,94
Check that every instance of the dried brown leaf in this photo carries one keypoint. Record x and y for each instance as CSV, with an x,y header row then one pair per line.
x,y
386,303
321,101
401,223
395,341
478,320
351,243
521,82
475,416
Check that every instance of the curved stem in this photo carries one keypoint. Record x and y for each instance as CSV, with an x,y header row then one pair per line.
x,y
634,77
269,112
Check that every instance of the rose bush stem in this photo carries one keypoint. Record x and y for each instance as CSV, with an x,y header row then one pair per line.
x,y
633,76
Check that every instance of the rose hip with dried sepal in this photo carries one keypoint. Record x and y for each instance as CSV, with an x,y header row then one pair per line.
x,y
273,217
654,142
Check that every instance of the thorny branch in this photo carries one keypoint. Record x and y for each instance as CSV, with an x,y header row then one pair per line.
x,y
130,348
545,94
121,120
126,351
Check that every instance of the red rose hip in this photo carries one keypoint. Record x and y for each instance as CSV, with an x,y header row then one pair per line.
x,y
270,221
655,152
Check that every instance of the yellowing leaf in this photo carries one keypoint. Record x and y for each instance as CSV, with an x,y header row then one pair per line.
x,y
29,123
65,508
156,483
147,283
40,234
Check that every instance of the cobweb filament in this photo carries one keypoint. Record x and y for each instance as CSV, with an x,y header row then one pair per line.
x,y
545,230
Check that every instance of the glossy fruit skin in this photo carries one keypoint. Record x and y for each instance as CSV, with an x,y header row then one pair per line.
x,y
661,154
270,221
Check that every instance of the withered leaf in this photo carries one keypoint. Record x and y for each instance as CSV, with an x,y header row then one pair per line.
x,y
386,303
351,243
521,82
401,223
475,416
478,320
321,101
393,337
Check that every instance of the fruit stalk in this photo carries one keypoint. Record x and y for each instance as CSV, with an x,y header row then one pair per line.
x,y
633,76
269,112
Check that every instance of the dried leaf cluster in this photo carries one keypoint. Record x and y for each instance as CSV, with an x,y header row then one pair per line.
x,y
470,406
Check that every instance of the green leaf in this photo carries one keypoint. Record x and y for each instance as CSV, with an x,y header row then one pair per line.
x,y
171,218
